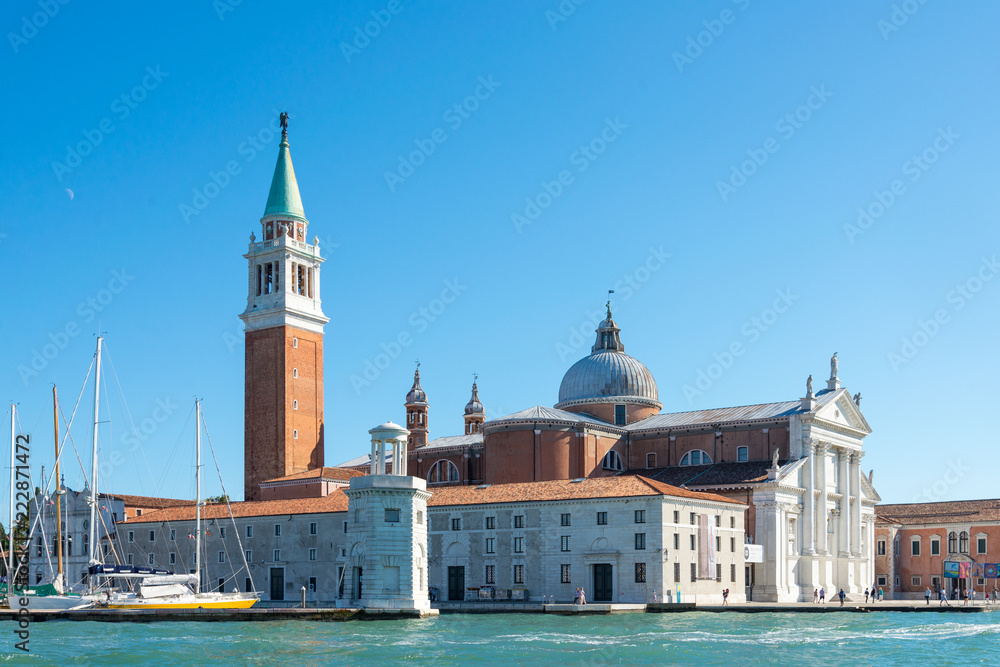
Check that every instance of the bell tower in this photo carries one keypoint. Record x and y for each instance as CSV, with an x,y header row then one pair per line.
x,y
284,338
416,413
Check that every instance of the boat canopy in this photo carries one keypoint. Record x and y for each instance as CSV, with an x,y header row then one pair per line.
x,y
125,571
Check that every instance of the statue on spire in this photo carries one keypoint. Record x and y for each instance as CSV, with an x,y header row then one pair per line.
x,y
610,292
283,119
834,366
809,387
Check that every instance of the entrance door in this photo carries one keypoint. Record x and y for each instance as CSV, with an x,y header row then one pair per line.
x,y
602,583
456,582
277,583
356,583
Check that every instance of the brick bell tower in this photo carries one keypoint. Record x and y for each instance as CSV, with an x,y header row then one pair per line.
x,y
284,338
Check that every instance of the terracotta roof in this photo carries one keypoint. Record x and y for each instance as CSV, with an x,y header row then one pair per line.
x,y
339,474
624,486
714,474
334,502
956,511
148,502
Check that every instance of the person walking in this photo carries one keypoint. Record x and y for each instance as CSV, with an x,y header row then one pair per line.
x,y
866,596
576,595
881,594
841,596
583,596
822,595
725,598
815,595
965,597
927,595
994,594
944,599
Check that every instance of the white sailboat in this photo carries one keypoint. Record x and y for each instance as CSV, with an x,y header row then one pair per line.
x,y
158,589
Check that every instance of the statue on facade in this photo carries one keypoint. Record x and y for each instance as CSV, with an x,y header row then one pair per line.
x,y
774,461
834,366
809,386
871,476
857,399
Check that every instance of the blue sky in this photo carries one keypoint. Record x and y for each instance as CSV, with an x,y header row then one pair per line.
x,y
704,160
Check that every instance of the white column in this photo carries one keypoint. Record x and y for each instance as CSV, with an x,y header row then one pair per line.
x,y
845,504
809,516
395,458
822,537
374,463
403,458
856,513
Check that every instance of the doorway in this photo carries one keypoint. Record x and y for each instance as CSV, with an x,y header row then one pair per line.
x,y
356,582
603,588
277,583
456,582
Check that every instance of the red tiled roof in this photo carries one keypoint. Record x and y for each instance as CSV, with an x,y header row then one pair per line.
x,y
624,486
955,511
148,502
334,502
339,474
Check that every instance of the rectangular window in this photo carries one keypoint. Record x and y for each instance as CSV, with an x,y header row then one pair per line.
x,y
880,551
173,557
249,531
564,520
491,523
651,460
732,544
277,555
518,574
312,584
312,554
640,516
277,530
897,582
718,543
564,543
718,571
881,580
602,518
248,555
694,543
129,559
936,583
314,527
222,532
915,548
694,571
150,560
935,547
152,536
620,415
491,545
131,536
248,585
391,516
640,541
491,574
519,545
915,580
345,527
677,516
742,454
677,541
694,518
173,535
981,545
677,573
519,521
732,572
222,556
718,521
565,574
732,522
640,573
456,523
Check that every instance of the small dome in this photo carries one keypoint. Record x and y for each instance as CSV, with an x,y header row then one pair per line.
x,y
474,407
417,395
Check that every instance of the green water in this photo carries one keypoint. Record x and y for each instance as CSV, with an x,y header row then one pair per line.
x,y
808,640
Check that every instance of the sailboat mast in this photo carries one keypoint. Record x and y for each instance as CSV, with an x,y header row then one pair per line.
x,y
93,463
10,526
59,548
197,483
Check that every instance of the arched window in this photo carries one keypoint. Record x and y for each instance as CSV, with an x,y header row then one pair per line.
x,y
612,461
952,543
696,457
443,471
963,542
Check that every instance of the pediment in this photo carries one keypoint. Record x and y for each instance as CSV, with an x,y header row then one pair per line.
x,y
843,411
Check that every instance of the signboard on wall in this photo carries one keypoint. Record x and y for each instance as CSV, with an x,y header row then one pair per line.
x,y
971,570
753,553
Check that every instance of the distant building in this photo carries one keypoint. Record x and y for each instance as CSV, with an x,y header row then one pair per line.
x,y
916,543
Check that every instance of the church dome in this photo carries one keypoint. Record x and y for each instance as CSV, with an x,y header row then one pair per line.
x,y
608,375
416,395
474,406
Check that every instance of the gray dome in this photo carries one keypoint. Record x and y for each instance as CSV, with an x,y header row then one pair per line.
x,y
606,374
416,395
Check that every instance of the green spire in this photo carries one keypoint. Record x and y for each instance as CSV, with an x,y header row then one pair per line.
x,y
284,199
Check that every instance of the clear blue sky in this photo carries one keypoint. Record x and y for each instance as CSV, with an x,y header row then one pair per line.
x,y
199,81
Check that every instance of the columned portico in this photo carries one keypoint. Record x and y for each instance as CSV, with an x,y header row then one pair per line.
x,y
822,546
844,548
809,520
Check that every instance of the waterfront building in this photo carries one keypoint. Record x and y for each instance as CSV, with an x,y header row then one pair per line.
x,y
917,546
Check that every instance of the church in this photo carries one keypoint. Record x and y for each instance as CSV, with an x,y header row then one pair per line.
x,y
767,498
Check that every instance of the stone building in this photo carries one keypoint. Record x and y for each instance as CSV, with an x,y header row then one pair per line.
x,y
922,545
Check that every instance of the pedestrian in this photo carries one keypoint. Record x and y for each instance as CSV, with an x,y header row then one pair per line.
x,y
654,597
927,595
881,594
866,595
822,595
954,593
944,599
994,594
576,595
815,595
583,596
972,596
965,597
725,598
841,596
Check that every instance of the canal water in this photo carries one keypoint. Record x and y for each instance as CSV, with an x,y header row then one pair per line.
x,y
804,640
